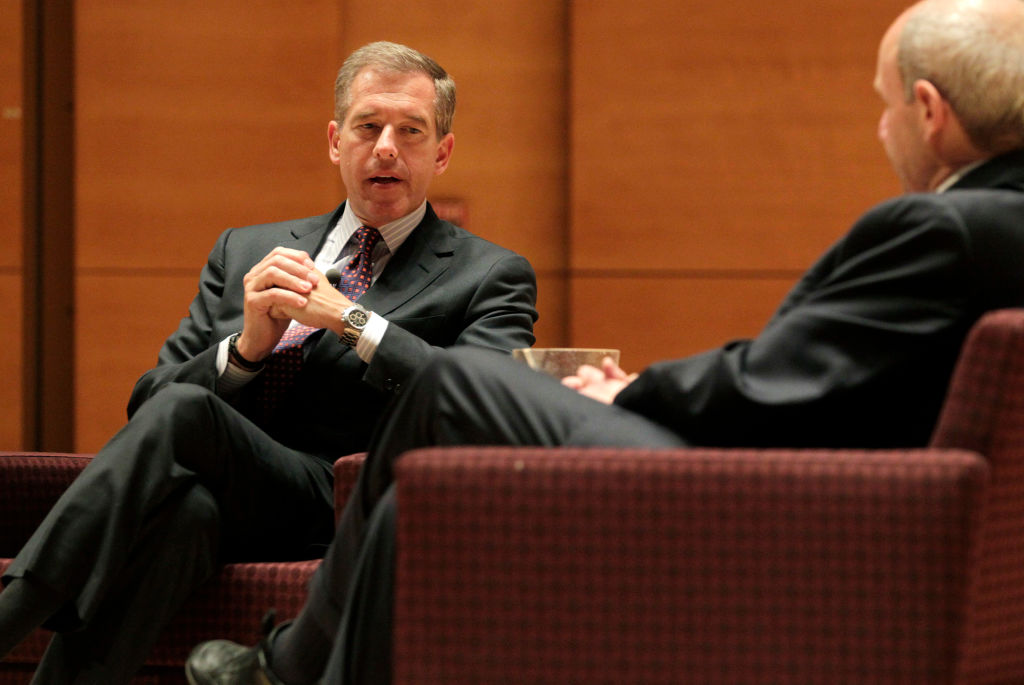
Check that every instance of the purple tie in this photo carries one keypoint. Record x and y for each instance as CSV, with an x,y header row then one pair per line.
x,y
285,361
358,273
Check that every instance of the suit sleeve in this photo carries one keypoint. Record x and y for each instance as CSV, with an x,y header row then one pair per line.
x,y
858,354
499,315
189,354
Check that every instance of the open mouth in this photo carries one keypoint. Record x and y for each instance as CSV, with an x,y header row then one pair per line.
x,y
383,180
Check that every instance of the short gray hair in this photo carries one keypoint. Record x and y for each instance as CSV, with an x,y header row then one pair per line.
x,y
973,54
404,60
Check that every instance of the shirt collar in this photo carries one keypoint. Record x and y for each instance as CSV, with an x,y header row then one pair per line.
x,y
393,233
953,178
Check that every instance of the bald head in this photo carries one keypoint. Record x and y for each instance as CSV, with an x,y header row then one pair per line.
x,y
972,51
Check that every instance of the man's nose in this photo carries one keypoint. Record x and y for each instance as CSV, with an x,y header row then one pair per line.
x,y
385,147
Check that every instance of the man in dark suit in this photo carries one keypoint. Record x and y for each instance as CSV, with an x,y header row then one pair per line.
x,y
228,451
858,354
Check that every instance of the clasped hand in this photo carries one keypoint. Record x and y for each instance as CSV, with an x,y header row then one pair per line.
x,y
600,384
283,286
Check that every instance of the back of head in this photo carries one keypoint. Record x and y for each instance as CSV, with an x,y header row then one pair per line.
x,y
385,56
972,51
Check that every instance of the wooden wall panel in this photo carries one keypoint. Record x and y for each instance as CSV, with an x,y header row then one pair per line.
x,y
192,117
733,139
10,135
137,313
11,222
736,134
195,116
673,317
11,434
509,62
551,328
156,304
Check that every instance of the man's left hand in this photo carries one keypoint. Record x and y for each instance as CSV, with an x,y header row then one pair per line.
x,y
600,384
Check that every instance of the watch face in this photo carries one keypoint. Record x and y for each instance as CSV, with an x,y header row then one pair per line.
x,y
357,317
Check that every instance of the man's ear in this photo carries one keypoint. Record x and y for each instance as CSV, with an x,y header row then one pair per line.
x,y
333,138
444,153
934,111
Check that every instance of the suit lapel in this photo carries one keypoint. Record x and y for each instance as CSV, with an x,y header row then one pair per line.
x,y
423,257
309,234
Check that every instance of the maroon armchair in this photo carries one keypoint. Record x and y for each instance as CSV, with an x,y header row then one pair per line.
x,y
231,605
718,566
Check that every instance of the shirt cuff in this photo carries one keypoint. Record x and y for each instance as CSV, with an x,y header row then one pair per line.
x,y
370,339
230,378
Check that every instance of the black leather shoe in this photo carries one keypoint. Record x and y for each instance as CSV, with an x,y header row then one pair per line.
x,y
222,662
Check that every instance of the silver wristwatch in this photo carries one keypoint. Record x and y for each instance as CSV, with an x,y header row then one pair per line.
x,y
354,321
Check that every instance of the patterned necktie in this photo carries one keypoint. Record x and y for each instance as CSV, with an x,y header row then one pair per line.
x,y
285,361
358,273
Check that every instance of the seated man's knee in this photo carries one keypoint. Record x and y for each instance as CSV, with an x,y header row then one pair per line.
x,y
457,363
179,400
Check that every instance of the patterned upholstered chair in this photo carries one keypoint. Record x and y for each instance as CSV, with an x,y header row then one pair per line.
x,y
719,566
231,605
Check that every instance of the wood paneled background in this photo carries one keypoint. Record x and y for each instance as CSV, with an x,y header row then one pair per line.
x,y
11,271
669,167
717,150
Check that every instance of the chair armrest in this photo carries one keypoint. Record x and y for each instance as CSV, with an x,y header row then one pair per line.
x,y
32,483
346,473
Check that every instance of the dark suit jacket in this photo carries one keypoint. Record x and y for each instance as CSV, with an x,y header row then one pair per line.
x,y
443,287
862,349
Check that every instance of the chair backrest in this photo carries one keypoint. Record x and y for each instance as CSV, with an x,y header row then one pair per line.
x,y
984,412
32,482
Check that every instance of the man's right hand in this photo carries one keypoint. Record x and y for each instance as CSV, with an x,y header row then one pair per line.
x,y
282,279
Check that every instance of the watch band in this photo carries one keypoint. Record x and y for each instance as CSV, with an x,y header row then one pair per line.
x,y
354,320
237,359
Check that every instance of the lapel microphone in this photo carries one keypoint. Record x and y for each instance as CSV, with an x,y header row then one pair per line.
x,y
333,277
